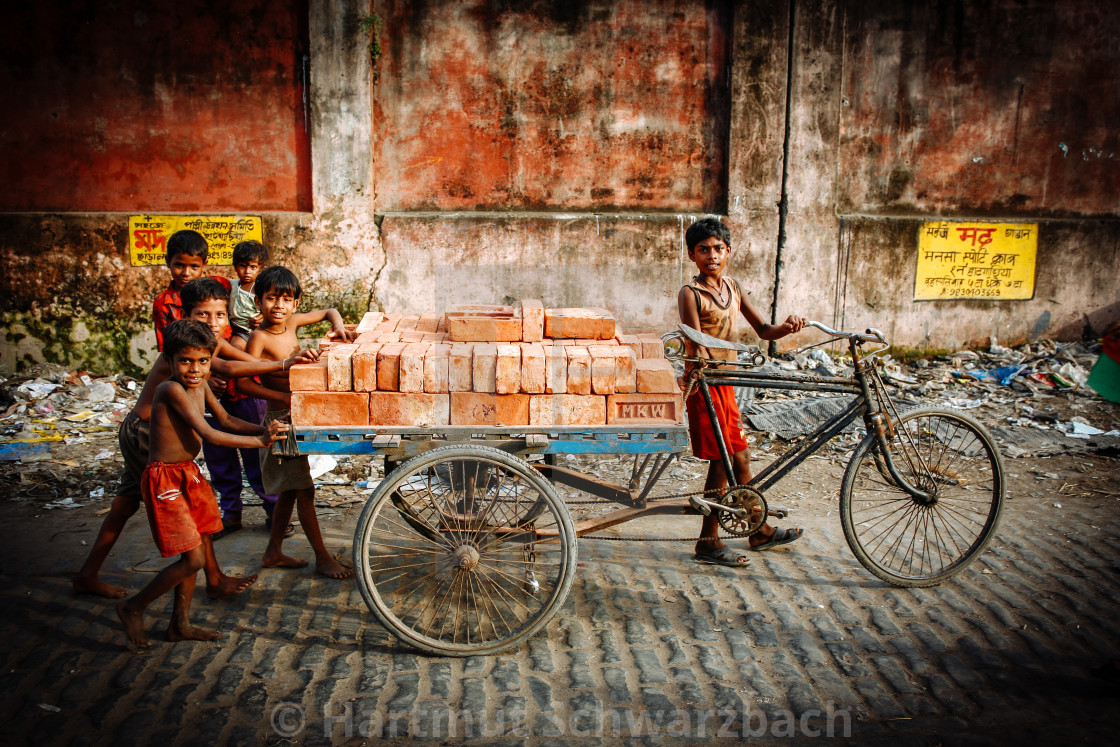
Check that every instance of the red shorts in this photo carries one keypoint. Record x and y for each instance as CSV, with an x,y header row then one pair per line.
x,y
703,436
181,506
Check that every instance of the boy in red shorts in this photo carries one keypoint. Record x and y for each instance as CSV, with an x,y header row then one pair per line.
x,y
711,303
179,502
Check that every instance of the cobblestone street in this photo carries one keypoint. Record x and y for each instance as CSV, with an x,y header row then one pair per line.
x,y
650,647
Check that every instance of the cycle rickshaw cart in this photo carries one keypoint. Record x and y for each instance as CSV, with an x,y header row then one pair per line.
x,y
466,548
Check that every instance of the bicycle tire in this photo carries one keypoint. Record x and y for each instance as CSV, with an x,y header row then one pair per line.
x,y
910,542
441,551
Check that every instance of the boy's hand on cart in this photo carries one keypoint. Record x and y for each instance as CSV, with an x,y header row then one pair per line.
x,y
308,355
341,334
275,431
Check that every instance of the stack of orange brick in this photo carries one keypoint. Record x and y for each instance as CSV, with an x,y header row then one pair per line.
x,y
489,366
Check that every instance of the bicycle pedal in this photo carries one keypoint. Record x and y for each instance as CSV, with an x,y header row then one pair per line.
x,y
778,512
700,506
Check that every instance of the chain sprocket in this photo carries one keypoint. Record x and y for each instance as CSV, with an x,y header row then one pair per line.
x,y
753,507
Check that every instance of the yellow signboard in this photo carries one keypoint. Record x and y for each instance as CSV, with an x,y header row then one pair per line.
x,y
148,235
991,261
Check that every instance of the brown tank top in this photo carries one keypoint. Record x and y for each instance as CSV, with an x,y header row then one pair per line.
x,y
719,319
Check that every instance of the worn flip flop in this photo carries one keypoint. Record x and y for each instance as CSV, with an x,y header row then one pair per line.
x,y
723,556
228,527
778,538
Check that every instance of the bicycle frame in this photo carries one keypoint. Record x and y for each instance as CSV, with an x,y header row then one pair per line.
x,y
864,381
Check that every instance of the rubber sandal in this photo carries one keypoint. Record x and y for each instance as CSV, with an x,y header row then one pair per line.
x,y
778,538
723,556
288,532
228,527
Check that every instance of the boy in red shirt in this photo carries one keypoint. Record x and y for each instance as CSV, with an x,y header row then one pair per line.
x,y
187,252
711,303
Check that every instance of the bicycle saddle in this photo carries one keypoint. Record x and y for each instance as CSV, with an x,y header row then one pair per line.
x,y
714,342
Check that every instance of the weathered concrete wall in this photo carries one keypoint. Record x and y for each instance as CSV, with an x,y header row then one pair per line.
x,y
555,149
71,297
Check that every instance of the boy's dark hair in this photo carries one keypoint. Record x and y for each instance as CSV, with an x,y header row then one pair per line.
x,y
187,333
190,243
706,228
247,251
199,290
278,279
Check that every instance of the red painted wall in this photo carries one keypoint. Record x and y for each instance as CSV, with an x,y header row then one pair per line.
x,y
1001,108
552,105
146,106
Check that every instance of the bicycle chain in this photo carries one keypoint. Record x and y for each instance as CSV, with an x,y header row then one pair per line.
x,y
650,539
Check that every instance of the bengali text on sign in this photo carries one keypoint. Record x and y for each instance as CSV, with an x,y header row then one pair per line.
x,y
991,261
148,235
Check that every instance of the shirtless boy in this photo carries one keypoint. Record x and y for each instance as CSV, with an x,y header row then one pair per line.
x,y
180,503
278,291
133,439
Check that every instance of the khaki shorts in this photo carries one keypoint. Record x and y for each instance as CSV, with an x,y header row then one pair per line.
x,y
133,440
283,473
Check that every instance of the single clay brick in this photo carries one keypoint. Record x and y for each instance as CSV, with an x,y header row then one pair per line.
x,y
308,377
483,329
532,320
656,376
389,366
588,343
632,342
652,346
364,366
427,323
367,337
567,409
481,310
435,337
532,368
477,408
625,370
460,377
412,367
436,368
369,322
507,369
592,324
330,408
555,370
339,376
407,323
483,368
389,323
645,409
579,370
409,408
387,337
605,371
412,335
441,326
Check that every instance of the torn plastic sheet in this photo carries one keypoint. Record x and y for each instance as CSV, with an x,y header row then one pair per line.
x,y
791,418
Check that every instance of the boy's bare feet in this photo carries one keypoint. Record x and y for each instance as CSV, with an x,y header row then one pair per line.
x,y
133,625
177,631
230,585
83,585
331,568
280,560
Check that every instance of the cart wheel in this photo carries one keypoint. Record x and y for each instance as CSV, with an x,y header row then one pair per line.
x,y
909,541
464,550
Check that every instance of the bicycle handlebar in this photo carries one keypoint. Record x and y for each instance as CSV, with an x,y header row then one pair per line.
x,y
871,335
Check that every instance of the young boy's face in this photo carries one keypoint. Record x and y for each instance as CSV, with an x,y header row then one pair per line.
x,y
184,268
276,306
247,271
191,366
213,313
711,256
